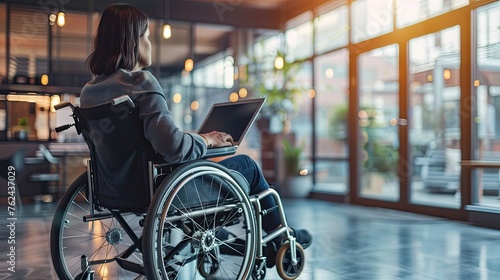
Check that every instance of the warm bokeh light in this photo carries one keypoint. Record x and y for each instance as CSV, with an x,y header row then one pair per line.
x,y
303,172
362,114
103,271
477,83
393,121
54,100
429,78
243,92
189,65
279,62
42,100
52,19
44,80
177,98
167,31
329,73
311,93
195,105
61,19
446,74
233,97
242,71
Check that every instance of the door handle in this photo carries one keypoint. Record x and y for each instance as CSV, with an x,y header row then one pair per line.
x,y
402,122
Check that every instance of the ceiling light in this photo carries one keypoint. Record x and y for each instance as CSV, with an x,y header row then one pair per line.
x,y
167,31
61,16
52,19
188,65
44,79
61,19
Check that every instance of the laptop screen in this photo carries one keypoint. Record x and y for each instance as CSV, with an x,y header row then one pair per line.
x,y
234,118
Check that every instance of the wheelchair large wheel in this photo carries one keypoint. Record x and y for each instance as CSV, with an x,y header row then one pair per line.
x,y
200,224
80,249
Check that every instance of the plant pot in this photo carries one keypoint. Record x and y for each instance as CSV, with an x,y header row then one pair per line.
x,y
21,135
373,182
298,186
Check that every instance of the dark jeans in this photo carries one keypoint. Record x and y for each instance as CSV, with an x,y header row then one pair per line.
x,y
251,171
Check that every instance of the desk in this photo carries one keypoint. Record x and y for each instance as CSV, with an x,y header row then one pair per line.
x,y
65,150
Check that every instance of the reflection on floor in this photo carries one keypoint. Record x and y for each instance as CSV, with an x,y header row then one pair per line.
x,y
350,242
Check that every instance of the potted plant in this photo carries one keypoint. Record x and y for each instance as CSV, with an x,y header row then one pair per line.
x,y
21,129
278,85
297,182
379,157
338,121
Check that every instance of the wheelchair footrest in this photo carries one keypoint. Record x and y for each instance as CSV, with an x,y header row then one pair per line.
x,y
130,266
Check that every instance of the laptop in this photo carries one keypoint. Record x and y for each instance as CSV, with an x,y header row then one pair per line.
x,y
234,118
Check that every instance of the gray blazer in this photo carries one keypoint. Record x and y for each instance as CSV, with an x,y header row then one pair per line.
x,y
143,88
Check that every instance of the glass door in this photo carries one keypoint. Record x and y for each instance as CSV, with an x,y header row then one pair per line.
x,y
378,113
434,124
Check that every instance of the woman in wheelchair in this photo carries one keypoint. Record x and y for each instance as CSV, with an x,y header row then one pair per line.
x,y
121,50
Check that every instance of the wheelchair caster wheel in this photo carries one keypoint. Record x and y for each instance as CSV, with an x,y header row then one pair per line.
x,y
287,269
208,264
259,271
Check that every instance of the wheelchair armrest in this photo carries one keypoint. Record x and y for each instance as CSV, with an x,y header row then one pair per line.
x,y
220,152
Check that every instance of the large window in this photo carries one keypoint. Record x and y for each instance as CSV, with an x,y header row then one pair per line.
x,y
299,40
332,92
331,30
413,11
371,18
28,43
70,48
435,117
487,92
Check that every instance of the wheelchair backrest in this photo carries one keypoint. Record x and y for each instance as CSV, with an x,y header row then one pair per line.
x,y
119,155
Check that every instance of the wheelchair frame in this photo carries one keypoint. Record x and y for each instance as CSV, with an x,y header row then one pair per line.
x,y
151,247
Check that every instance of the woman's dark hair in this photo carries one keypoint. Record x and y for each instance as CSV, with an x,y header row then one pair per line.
x,y
116,42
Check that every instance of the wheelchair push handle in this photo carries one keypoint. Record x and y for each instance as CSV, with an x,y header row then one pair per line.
x,y
63,127
60,106
64,105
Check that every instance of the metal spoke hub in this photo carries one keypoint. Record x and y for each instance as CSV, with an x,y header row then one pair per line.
x,y
204,240
114,236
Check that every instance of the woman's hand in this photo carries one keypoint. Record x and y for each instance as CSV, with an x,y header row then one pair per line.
x,y
218,139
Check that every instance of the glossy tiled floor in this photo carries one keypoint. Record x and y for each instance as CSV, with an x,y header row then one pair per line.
x,y
350,242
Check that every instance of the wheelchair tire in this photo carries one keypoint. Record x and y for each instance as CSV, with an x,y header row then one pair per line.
x,y
190,208
286,269
98,241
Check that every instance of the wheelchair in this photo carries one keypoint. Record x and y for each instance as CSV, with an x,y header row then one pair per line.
x,y
130,216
